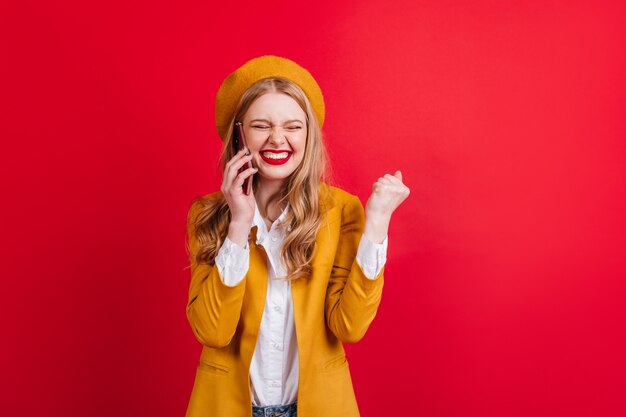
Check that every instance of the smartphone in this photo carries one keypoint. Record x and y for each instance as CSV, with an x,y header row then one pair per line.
x,y
239,144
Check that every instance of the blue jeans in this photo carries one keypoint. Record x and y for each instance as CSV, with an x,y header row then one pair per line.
x,y
288,410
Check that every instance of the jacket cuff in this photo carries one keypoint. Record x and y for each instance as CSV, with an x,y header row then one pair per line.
x,y
371,256
233,262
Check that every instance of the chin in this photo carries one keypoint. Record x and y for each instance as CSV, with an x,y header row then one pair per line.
x,y
277,176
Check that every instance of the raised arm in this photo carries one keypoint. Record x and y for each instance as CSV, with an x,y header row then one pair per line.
x,y
352,298
214,307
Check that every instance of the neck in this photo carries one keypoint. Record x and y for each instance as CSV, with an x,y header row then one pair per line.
x,y
265,190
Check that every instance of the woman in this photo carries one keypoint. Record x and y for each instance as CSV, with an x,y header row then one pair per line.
x,y
282,276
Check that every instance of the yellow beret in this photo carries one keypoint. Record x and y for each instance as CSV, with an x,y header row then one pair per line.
x,y
257,69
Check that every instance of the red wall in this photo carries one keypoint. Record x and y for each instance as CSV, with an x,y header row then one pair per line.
x,y
504,291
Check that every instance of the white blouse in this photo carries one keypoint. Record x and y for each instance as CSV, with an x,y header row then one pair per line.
x,y
274,366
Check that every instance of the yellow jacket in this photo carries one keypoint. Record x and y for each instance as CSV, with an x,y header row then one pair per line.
x,y
336,304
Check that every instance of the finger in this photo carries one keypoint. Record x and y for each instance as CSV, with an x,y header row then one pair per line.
x,y
380,186
385,180
395,178
230,177
234,168
245,174
392,178
240,179
236,157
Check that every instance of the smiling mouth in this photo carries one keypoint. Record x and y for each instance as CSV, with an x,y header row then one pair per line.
x,y
275,158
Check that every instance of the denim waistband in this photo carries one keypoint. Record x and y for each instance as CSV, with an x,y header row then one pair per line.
x,y
288,410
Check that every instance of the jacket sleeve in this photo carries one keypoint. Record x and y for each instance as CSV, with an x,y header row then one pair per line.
x,y
352,298
213,308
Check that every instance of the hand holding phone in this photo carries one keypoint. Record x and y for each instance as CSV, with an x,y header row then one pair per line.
x,y
239,143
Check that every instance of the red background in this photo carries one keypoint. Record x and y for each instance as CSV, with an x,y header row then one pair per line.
x,y
504,291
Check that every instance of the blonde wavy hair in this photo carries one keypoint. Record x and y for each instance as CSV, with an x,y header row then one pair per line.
x,y
304,190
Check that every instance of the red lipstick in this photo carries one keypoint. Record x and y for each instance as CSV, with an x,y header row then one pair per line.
x,y
275,161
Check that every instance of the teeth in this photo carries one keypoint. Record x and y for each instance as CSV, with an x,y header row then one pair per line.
x,y
271,155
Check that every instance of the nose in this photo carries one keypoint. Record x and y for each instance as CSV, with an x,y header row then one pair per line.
x,y
276,135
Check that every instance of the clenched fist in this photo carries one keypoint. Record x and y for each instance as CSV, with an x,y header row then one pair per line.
x,y
387,194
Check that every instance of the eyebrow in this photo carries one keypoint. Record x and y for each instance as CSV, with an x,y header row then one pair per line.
x,y
286,121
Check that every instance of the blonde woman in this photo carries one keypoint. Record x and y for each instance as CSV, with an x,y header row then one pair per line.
x,y
282,276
